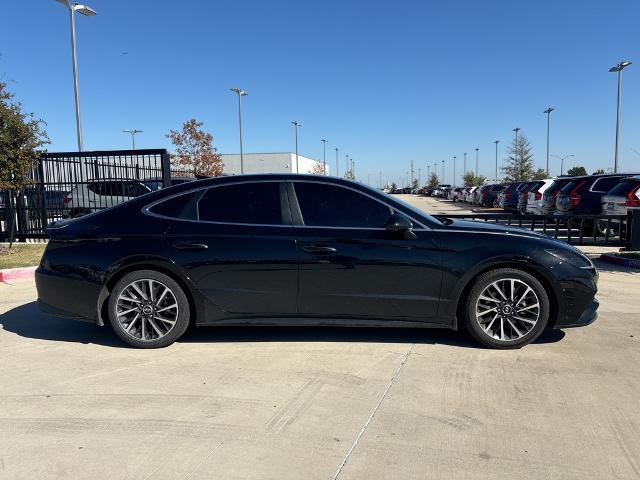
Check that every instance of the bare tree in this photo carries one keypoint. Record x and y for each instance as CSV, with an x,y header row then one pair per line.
x,y
195,151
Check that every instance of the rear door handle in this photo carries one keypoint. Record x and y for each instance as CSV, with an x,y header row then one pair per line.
x,y
190,246
319,249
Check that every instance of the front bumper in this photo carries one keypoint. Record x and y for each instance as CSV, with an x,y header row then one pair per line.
x,y
589,316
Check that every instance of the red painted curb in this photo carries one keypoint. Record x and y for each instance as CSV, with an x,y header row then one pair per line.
x,y
17,273
625,262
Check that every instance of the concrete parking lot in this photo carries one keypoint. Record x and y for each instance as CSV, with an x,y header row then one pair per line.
x,y
320,403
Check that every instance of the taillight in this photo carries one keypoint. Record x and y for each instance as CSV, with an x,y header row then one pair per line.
x,y
66,199
485,194
538,196
574,198
633,197
507,195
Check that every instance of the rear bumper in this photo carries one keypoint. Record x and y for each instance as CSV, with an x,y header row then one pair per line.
x,y
60,295
589,315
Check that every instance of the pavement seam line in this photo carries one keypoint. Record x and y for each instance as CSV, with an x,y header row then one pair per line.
x,y
373,412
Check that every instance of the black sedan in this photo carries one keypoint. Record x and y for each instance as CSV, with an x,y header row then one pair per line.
x,y
306,250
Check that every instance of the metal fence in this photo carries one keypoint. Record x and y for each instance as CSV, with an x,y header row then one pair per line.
x,y
69,184
587,230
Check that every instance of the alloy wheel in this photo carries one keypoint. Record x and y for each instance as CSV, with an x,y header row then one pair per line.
x,y
507,309
147,309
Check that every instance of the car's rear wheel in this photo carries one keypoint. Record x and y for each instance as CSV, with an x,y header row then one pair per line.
x,y
506,308
148,309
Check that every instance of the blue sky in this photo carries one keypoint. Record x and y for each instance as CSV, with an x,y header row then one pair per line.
x,y
386,82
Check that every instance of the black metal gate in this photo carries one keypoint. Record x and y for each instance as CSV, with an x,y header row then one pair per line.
x,y
73,183
587,230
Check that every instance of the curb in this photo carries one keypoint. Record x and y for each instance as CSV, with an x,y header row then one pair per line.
x,y
624,262
17,273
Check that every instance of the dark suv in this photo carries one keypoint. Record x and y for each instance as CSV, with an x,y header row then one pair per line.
x,y
550,194
510,196
489,195
583,195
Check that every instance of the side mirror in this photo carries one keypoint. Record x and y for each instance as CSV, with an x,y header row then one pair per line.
x,y
400,223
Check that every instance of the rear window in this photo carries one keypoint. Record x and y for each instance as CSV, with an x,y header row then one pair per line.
x,y
623,188
555,186
566,190
182,206
605,184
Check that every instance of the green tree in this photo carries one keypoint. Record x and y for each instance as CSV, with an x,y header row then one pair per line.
x,y
393,187
415,184
434,181
598,171
22,139
540,174
577,171
194,150
520,161
471,180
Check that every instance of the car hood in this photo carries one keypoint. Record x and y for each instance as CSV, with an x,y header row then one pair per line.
x,y
481,226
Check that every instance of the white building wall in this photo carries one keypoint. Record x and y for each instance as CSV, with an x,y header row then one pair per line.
x,y
284,162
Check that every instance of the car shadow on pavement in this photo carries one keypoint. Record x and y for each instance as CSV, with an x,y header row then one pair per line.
x,y
27,321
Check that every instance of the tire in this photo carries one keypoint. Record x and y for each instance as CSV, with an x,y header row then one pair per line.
x,y
503,329
148,324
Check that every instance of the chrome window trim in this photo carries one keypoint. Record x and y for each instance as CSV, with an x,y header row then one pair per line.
x,y
602,178
394,210
146,209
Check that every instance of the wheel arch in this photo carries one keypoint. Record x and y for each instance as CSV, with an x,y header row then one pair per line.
x,y
466,284
161,266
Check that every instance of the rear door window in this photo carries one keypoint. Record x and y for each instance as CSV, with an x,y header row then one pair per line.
x,y
243,203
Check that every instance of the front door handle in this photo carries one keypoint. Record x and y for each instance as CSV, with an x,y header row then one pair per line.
x,y
319,249
190,246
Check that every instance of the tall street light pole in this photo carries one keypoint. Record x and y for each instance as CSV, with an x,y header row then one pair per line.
x,y
337,162
516,130
296,124
442,172
548,112
241,93
132,132
562,159
324,156
618,69
454,171
89,12
428,172
477,150
419,177
496,142
464,165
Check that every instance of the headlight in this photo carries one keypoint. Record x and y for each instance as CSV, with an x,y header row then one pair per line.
x,y
576,258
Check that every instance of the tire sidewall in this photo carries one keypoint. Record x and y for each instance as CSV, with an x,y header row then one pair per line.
x,y
183,309
470,319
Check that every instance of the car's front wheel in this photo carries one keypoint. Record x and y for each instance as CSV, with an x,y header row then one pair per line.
x,y
506,308
148,309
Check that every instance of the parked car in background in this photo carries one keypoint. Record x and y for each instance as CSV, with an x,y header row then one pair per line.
x,y
535,196
618,201
548,206
157,183
583,195
468,195
321,251
96,195
509,196
456,194
489,195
